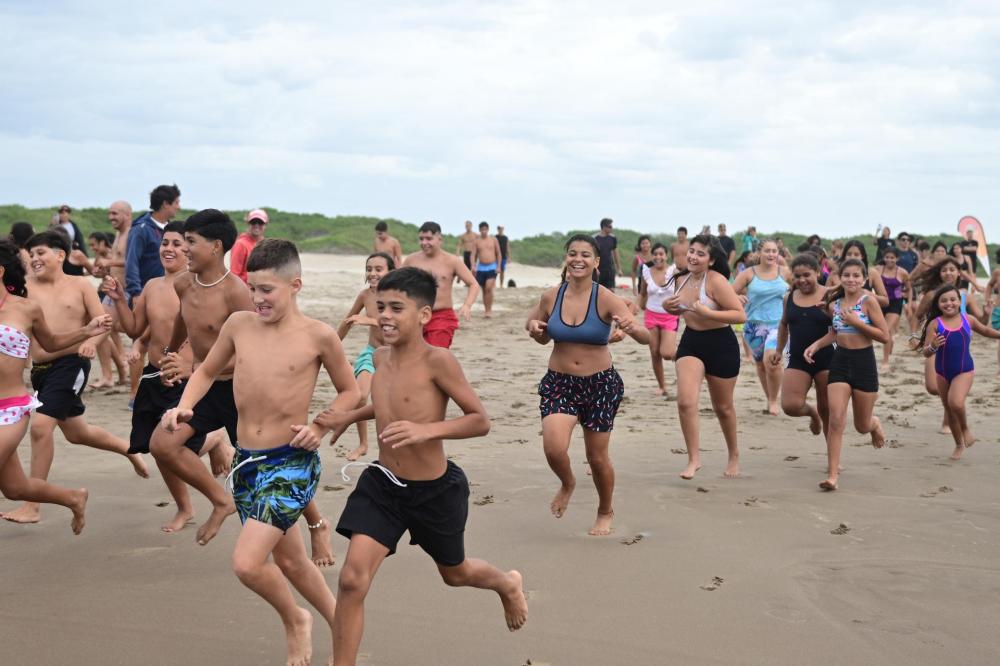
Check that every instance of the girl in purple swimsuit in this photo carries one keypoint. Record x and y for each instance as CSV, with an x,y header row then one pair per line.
x,y
947,337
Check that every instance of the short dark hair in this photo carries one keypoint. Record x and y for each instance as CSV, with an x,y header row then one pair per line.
x,y
20,232
176,227
381,226
213,224
680,229
163,194
606,222
416,283
101,237
429,227
484,225
275,254
51,238
923,245
902,234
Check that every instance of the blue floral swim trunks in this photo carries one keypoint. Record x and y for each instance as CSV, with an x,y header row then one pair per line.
x,y
274,486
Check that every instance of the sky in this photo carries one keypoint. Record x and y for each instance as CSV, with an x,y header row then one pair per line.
x,y
827,117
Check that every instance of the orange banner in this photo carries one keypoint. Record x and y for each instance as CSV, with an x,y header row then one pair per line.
x,y
982,252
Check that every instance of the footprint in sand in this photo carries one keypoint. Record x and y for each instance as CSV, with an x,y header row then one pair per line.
x,y
163,504
702,489
757,448
715,584
753,501
791,458
840,529
679,452
634,540
487,499
332,488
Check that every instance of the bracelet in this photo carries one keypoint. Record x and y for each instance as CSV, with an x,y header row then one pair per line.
x,y
318,525
930,348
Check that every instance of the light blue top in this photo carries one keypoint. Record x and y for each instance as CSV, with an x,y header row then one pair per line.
x,y
765,298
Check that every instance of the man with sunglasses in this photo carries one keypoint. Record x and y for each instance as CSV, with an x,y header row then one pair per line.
x,y
256,221
907,258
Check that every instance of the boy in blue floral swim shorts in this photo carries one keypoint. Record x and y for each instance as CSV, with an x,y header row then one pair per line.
x,y
276,468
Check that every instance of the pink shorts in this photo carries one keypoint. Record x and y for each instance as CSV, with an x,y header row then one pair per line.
x,y
662,320
14,409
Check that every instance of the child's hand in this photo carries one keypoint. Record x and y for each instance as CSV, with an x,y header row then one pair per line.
x,y
333,421
172,418
87,350
307,437
99,324
809,352
938,341
673,305
852,319
361,320
113,288
625,323
776,359
173,370
465,312
538,329
617,335
133,356
404,433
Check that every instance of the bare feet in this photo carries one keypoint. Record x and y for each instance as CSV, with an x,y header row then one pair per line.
x,y
359,452
561,501
138,464
959,450
815,423
774,409
180,520
102,383
220,457
659,391
79,508
298,635
602,526
878,437
515,606
690,470
969,438
25,514
829,484
211,526
732,468
322,551
945,429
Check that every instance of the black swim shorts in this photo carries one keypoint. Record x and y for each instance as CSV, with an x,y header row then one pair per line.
x,y
216,410
152,399
60,384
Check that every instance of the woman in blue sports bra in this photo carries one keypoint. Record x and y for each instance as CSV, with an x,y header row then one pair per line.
x,y
708,349
947,338
762,290
20,320
581,386
856,321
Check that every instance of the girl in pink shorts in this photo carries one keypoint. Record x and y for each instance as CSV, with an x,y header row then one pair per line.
x,y
653,290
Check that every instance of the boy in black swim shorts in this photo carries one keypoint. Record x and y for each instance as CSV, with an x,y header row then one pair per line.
x,y
415,488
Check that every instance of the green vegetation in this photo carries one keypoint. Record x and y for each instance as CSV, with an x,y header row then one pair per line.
x,y
352,234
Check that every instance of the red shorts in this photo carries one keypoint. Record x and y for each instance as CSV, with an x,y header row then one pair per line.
x,y
440,330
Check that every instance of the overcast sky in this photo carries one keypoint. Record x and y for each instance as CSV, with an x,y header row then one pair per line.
x,y
822,116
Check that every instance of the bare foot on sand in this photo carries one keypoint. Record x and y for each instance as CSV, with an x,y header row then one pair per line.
x,y
690,470
561,501
515,606
969,438
79,509
959,450
732,468
319,538
774,409
815,423
829,484
359,452
25,514
659,391
602,526
102,384
298,636
945,429
221,458
211,526
180,520
138,464
878,437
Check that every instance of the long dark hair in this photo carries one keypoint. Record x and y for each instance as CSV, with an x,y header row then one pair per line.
x,y
389,261
638,243
931,279
13,269
934,311
838,292
861,247
716,255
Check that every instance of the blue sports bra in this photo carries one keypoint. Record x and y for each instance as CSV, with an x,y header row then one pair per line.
x,y
591,331
838,318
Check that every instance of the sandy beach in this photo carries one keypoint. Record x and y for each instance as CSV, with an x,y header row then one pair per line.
x,y
898,567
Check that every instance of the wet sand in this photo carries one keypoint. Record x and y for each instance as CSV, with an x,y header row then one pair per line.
x,y
756,570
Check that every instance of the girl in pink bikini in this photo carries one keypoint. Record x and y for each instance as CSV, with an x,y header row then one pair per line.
x,y
20,320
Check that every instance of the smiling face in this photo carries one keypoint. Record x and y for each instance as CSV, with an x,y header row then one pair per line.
x,y
272,293
660,257
173,255
256,229
853,278
805,279
375,269
644,245
950,303
769,253
400,317
948,273
201,252
699,259
46,261
890,260
581,260
118,216
430,242
97,248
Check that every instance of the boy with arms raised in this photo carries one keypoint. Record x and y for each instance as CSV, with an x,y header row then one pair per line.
x,y
208,295
413,487
60,376
276,469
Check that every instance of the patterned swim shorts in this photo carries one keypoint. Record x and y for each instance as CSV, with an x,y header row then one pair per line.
x,y
273,486
593,400
761,336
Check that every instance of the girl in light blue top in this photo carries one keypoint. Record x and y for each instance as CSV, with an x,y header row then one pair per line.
x,y
762,290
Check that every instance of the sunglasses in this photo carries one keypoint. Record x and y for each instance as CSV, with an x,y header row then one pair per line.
x,y
258,222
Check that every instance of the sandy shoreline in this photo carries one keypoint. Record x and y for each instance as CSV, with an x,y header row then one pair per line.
x,y
914,579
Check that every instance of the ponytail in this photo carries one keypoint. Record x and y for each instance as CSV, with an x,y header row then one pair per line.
x,y
13,269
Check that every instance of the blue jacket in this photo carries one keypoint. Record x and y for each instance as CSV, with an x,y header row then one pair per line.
x,y
142,256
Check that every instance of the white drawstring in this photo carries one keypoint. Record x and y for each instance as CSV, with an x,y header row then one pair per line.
x,y
229,479
151,375
392,477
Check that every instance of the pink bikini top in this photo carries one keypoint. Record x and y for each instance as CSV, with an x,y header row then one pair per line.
x,y
14,342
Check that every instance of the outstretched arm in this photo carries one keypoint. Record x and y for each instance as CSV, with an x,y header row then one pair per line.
x,y
219,357
345,326
133,321
465,275
308,436
52,342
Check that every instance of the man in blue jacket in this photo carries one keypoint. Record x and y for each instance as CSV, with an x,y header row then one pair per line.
x,y
142,256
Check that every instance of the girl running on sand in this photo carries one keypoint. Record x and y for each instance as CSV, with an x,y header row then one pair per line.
x,y
708,349
857,320
365,313
582,384
855,249
655,288
20,321
805,321
643,257
946,338
897,285
762,289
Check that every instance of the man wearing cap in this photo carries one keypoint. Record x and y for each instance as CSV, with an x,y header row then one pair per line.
x,y
256,221
75,239
142,255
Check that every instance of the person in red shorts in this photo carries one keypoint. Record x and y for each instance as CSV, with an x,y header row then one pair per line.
x,y
445,267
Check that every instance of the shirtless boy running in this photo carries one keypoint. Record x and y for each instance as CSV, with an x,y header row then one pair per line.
x,y
60,377
387,244
276,469
467,245
414,487
440,330
679,249
486,260
111,350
